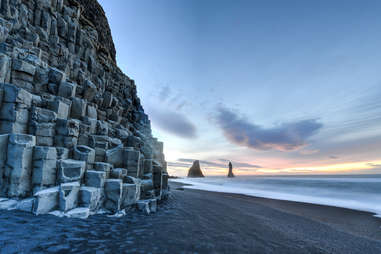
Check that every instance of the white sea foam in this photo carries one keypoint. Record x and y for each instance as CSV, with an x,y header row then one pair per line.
x,y
361,193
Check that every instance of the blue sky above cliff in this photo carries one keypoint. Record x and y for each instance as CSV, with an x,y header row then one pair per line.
x,y
274,86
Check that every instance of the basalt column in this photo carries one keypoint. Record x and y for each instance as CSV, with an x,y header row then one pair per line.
x,y
74,137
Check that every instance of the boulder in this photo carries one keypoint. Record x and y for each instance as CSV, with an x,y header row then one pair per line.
x,y
78,213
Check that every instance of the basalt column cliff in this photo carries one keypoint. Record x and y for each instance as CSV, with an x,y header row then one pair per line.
x,y
74,136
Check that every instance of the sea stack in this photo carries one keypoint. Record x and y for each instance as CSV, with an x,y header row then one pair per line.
x,y
195,170
230,174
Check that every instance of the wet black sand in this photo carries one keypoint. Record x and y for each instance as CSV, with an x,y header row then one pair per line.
x,y
194,221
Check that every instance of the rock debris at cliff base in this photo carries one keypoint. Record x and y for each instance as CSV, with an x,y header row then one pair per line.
x,y
74,137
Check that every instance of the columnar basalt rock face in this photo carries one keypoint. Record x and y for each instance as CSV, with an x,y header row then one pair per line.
x,y
74,137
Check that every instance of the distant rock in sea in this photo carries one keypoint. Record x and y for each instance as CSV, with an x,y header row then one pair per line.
x,y
230,174
195,170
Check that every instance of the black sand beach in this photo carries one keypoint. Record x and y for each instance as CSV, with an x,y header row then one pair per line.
x,y
193,221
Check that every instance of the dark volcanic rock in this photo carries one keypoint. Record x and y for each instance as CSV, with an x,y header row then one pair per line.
x,y
230,174
74,137
93,12
195,170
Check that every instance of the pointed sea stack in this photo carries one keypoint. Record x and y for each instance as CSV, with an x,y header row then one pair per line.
x,y
195,170
230,174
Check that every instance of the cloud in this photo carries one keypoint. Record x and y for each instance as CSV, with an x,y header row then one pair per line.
x,y
164,93
173,122
309,151
333,157
284,137
223,164
240,164
374,164
207,163
178,164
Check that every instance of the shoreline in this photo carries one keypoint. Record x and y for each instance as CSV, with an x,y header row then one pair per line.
x,y
196,221
215,188
340,218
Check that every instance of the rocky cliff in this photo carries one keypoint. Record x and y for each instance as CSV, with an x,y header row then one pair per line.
x,y
74,136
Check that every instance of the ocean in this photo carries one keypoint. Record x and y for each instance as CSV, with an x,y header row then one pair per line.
x,y
358,192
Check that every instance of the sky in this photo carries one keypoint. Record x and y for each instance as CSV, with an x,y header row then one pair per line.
x,y
276,87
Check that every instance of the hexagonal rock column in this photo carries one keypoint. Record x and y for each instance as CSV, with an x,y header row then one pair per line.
x,y
90,197
67,132
18,169
95,178
14,114
68,196
70,170
129,194
115,156
103,167
113,193
44,167
157,178
85,153
3,156
46,201
137,182
42,124
146,188
132,161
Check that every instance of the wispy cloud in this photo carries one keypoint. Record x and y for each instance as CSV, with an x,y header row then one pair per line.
x,y
374,165
173,122
165,93
283,137
206,163
240,164
220,163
